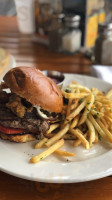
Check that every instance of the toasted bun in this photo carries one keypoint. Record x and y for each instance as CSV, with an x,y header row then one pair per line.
x,y
26,137
18,138
31,84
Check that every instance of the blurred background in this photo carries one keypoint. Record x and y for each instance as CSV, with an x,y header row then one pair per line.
x,y
77,25
7,7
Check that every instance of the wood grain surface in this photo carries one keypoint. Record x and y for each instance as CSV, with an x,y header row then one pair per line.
x,y
19,189
28,53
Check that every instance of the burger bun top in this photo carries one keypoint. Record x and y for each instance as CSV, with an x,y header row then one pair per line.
x,y
31,84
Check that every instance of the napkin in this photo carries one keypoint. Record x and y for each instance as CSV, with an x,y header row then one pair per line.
x,y
102,72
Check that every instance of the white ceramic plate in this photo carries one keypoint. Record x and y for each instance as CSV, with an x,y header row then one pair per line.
x,y
87,165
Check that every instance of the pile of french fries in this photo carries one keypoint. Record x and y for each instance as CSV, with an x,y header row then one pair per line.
x,y
87,118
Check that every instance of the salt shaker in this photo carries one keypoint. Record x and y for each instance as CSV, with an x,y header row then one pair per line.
x,y
103,45
55,33
71,40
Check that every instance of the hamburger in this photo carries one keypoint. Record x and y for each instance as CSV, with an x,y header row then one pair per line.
x,y
33,102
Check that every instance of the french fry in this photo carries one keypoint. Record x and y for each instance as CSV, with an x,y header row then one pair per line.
x,y
99,104
64,153
74,105
96,137
67,136
91,132
110,128
103,100
108,118
58,136
80,87
95,91
80,135
74,82
75,121
69,106
78,141
74,95
90,101
97,127
77,90
108,110
106,131
75,112
64,110
41,143
102,109
68,111
109,94
52,128
47,152
97,113
104,122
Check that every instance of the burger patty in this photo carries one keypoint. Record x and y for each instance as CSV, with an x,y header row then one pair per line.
x,y
30,121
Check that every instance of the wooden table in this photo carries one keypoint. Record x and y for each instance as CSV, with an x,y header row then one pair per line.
x,y
28,53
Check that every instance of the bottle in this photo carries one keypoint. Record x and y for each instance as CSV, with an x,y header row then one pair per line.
x,y
71,40
55,33
25,16
103,45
